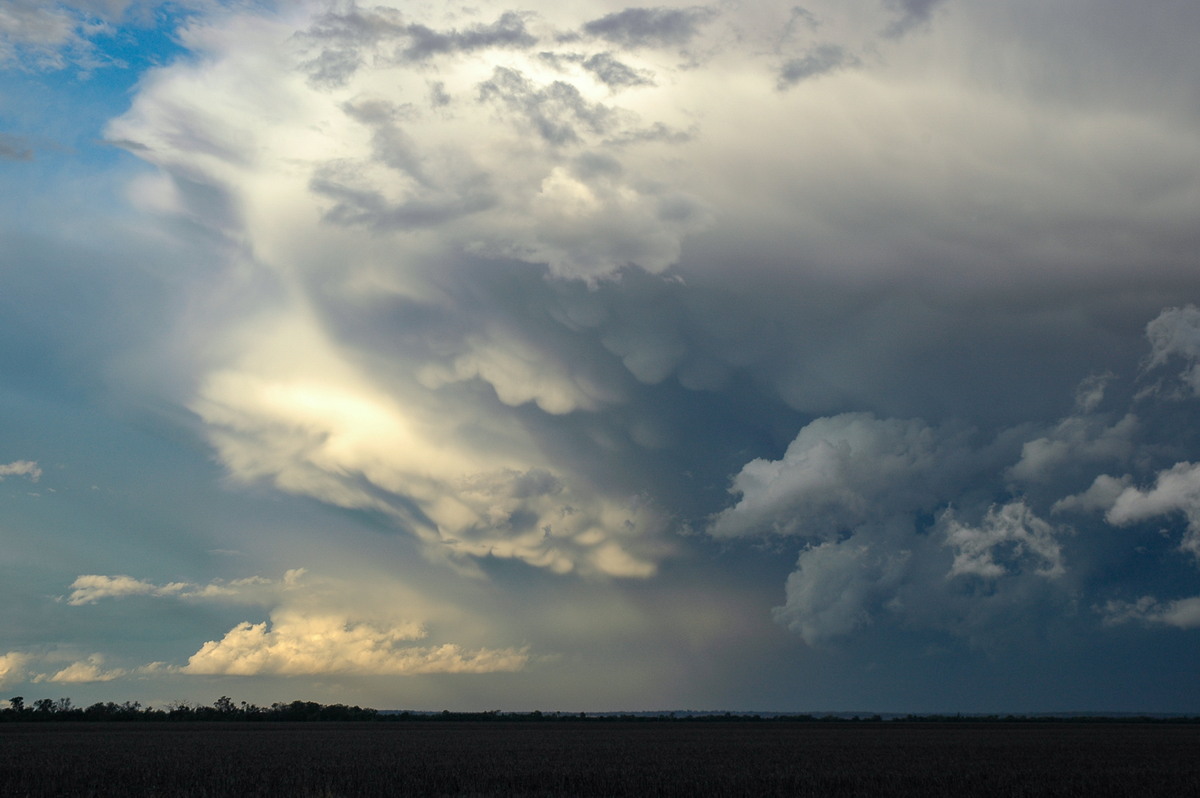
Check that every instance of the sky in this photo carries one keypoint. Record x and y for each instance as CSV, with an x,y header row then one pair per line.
x,y
747,356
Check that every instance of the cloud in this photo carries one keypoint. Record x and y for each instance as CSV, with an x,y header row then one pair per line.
x,y
650,27
821,60
294,644
12,667
1175,333
1181,613
23,468
837,587
615,74
1011,534
91,588
14,148
910,14
1176,489
83,672
838,473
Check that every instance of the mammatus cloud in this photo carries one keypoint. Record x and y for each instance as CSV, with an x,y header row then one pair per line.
x,y
90,588
294,644
22,468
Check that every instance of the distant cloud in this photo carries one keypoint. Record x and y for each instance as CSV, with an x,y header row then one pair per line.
x,y
84,671
12,667
91,588
1009,537
14,148
1181,613
22,468
295,644
650,27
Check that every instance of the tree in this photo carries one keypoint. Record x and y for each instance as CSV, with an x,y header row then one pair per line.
x,y
17,703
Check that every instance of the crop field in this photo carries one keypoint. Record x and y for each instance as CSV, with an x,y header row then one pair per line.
x,y
586,758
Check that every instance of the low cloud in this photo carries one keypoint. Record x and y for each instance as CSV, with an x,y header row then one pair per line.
x,y
294,644
84,671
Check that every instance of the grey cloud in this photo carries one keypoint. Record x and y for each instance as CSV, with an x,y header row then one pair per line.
x,y
821,60
615,74
14,148
649,27
554,110
910,14
345,39
506,32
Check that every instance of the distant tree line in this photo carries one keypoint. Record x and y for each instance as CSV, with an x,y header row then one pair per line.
x,y
225,709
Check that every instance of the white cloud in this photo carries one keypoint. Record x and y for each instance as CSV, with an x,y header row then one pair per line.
x,y
1010,538
1176,489
838,473
90,588
295,643
1075,440
84,671
24,468
12,667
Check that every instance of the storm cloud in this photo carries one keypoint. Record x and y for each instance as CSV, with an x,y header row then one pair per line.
x,y
845,344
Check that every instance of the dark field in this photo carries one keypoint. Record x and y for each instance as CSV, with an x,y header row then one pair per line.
x,y
678,758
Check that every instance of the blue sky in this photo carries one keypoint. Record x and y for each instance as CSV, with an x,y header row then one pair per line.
x,y
750,356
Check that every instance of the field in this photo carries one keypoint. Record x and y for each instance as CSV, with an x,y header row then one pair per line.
x,y
668,758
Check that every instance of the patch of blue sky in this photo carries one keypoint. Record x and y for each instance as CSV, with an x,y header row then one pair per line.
x,y
60,113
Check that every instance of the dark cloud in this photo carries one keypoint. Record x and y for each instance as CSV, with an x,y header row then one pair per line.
x,y
614,74
650,27
506,32
821,60
910,14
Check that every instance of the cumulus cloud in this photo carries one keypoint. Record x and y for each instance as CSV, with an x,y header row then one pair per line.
x,y
12,667
82,672
1008,538
838,473
837,587
1175,490
22,468
294,644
